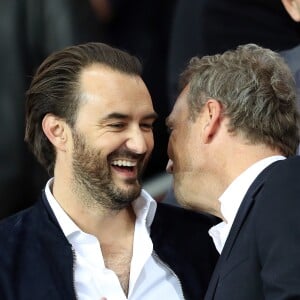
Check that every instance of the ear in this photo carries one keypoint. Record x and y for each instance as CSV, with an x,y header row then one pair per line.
x,y
212,119
293,9
56,131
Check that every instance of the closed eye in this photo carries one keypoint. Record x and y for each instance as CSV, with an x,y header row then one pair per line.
x,y
169,125
147,126
117,125
169,129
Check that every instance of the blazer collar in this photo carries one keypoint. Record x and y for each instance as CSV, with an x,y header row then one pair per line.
x,y
236,226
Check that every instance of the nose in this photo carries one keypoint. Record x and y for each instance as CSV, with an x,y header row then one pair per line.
x,y
169,167
138,141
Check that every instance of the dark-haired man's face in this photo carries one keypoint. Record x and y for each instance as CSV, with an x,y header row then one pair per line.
x,y
93,170
112,137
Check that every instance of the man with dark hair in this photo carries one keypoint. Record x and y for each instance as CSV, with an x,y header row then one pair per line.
x,y
234,135
95,233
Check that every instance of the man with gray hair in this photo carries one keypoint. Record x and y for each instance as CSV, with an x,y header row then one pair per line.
x,y
233,138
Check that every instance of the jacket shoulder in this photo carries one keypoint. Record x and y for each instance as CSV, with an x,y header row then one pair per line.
x,y
180,238
13,224
169,215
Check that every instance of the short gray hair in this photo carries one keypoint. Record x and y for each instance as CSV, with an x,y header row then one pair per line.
x,y
257,92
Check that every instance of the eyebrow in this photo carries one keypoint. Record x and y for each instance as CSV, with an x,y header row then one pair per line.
x,y
115,115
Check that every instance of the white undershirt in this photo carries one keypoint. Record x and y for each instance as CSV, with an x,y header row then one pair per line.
x,y
232,198
149,278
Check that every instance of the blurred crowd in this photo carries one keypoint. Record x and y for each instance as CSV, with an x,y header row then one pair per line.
x,y
163,34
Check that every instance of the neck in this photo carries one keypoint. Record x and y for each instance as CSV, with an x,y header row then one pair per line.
x,y
232,161
247,156
107,225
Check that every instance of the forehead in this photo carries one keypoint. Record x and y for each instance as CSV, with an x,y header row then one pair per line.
x,y
180,110
105,90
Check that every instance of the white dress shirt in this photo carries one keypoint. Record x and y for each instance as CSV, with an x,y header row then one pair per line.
x,y
149,277
232,198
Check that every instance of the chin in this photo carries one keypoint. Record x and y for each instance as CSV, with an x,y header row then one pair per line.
x,y
128,183
131,188
183,198
183,202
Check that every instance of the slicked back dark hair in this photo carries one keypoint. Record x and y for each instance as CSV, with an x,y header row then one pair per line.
x,y
55,89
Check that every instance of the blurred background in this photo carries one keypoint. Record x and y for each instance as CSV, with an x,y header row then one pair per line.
x,y
164,34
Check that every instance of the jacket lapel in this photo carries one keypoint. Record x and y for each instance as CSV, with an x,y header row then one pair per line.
x,y
236,226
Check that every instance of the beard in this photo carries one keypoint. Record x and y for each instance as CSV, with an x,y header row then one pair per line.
x,y
93,177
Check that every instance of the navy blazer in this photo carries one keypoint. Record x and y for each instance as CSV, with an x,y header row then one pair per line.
x,y
261,257
36,259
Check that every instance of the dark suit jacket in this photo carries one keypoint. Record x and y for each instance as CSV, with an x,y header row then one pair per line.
x,y
36,259
261,257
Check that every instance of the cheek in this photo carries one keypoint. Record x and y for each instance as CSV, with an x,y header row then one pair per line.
x,y
185,153
187,159
177,150
150,142
109,143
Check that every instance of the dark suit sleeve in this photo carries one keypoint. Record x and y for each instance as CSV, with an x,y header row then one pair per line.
x,y
278,232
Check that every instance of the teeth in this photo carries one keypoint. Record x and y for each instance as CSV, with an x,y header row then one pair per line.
x,y
123,163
